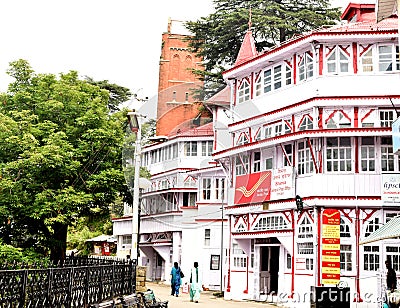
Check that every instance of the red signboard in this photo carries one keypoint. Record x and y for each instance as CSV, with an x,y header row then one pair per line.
x,y
330,247
255,187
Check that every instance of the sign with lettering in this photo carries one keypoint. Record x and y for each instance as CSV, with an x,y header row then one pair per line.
x,y
330,247
390,188
264,186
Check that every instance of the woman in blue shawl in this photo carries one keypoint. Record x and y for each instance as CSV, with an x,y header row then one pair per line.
x,y
175,279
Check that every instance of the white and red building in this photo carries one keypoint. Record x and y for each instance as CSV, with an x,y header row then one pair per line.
x,y
181,218
311,117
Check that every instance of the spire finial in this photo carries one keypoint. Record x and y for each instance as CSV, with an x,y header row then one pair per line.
x,y
250,19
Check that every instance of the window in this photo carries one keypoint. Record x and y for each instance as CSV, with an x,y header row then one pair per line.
x,y
256,161
307,248
386,118
257,136
191,148
338,154
239,257
387,156
206,148
371,258
206,189
305,162
305,229
244,92
207,237
344,229
267,81
174,96
243,139
242,164
189,199
392,254
306,123
372,226
338,60
288,155
186,96
288,126
277,77
268,131
338,119
388,56
126,240
278,129
175,150
268,163
367,64
367,150
220,189
271,223
345,258
252,252
289,72
288,261
258,85
306,66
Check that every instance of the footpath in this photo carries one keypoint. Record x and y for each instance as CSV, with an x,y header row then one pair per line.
x,y
207,299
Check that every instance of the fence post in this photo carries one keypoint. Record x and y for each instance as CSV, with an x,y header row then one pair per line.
x,y
23,291
86,297
70,287
112,281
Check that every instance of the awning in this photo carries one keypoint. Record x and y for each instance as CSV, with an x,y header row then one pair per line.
x,y
391,229
103,238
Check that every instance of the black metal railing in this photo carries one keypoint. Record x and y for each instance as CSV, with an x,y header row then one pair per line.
x,y
78,282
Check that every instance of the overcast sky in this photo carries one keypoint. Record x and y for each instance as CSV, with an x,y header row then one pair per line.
x,y
118,41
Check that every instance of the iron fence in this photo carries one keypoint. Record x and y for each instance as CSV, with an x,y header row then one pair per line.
x,y
78,282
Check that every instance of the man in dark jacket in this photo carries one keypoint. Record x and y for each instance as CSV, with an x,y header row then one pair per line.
x,y
391,279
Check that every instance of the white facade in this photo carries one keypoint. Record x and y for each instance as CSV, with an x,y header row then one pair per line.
x,y
312,118
177,223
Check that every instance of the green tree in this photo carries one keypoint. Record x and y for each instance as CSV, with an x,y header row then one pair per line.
x,y
117,93
217,38
60,157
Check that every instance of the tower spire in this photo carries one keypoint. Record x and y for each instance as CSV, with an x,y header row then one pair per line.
x,y
250,19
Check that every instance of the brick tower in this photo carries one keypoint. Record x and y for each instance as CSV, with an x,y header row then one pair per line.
x,y
176,105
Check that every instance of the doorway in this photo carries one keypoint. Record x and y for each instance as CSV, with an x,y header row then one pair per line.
x,y
269,269
158,263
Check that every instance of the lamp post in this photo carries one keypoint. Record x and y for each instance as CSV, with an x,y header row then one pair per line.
x,y
136,128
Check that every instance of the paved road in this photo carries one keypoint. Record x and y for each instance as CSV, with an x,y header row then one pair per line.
x,y
163,292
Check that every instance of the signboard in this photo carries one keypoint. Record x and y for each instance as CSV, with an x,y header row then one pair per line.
x,y
390,188
396,136
264,186
214,262
330,247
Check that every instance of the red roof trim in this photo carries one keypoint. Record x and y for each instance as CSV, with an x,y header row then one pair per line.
x,y
310,36
356,6
313,99
308,132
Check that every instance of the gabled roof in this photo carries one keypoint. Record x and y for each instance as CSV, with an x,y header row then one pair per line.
x,y
222,98
247,50
184,131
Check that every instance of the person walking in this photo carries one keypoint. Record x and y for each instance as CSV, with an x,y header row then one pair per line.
x,y
391,279
195,283
175,279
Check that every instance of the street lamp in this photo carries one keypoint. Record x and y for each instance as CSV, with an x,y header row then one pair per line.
x,y
136,128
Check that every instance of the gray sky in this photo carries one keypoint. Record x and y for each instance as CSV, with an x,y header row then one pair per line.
x,y
117,40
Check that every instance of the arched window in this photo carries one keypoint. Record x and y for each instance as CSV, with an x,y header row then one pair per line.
x,y
344,229
244,92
